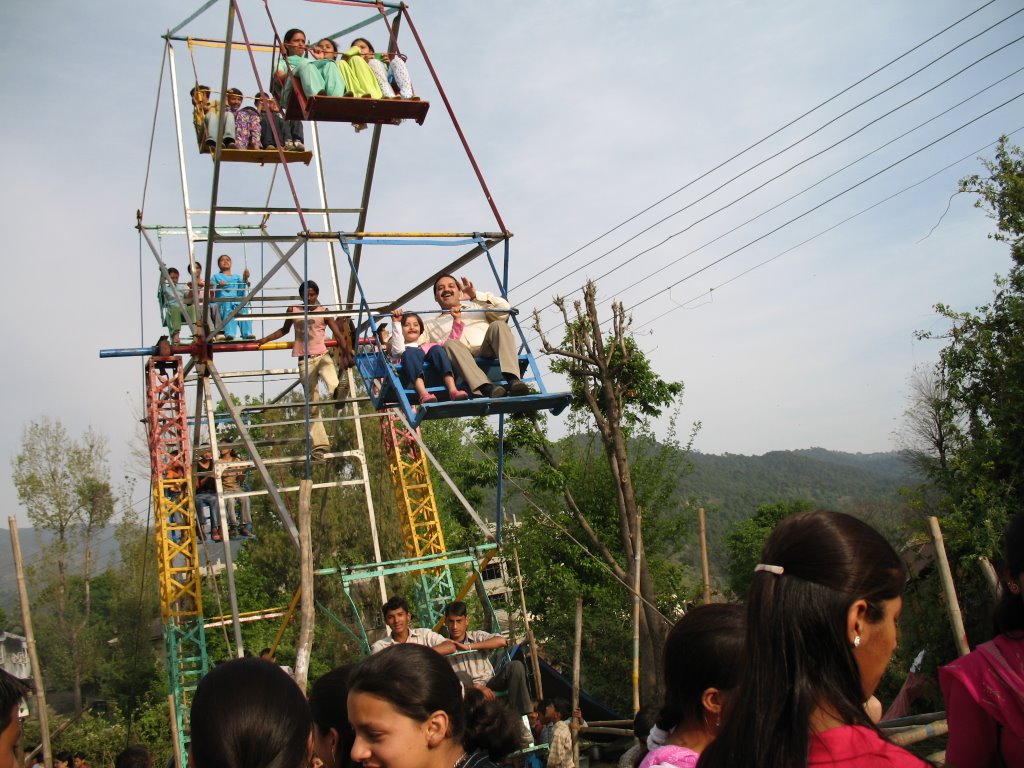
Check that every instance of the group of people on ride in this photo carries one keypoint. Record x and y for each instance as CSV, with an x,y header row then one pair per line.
x,y
321,70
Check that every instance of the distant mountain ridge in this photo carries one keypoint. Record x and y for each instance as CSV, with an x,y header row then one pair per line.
x,y
733,486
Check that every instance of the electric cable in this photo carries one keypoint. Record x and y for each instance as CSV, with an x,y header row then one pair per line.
x,y
767,159
802,243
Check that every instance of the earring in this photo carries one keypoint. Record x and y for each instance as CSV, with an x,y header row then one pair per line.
x,y
856,641
1014,587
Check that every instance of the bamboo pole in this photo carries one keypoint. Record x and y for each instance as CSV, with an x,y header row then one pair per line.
x,y
705,567
534,659
956,619
919,733
286,621
307,610
576,653
990,577
175,738
636,613
30,637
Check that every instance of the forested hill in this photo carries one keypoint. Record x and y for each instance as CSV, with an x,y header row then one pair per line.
x,y
734,486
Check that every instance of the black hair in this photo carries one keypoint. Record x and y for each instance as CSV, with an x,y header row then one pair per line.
x,y
334,45
393,604
1009,614
292,33
798,656
419,320
305,286
442,277
368,44
265,651
174,270
456,607
63,757
133,756
12,690
327,700
417,681
247,713
561,705
703,650
234,91
199,88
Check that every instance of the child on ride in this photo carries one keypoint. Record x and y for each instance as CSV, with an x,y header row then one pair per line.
x,y
232,287
404,345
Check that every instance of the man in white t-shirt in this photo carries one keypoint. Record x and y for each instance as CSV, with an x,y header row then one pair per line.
x,y
397,616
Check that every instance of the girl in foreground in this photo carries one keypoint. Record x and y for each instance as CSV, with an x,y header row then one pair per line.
x,y
703,653
822,616
247,713
406,707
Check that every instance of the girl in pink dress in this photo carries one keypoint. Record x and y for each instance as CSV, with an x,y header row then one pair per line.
x,y
984,690
703,654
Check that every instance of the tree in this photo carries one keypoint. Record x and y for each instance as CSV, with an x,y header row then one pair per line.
x,y
746,538
64,485
981,374
926,436
612,381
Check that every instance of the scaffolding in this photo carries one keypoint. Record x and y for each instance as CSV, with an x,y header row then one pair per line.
x,y
296,242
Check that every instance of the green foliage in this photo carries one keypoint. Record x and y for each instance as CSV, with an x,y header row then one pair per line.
x,y
982,373
978,407
646,395
1001,194
102,735
747,537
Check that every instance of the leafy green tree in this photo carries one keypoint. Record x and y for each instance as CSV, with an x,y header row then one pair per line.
x,y
746,538
978,383
981,372
64,485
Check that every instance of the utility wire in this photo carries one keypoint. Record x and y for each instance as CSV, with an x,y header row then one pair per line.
x,y
793,196
825,202
771,157
825,231
797,194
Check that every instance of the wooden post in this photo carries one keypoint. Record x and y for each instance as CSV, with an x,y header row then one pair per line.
x,y
576,653
705,568
175,737
990,577
30,637
304,646
956,620
636,613
534,659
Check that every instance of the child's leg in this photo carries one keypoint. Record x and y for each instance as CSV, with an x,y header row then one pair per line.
x,y
400,73
381,76
440,361
412,372
267,133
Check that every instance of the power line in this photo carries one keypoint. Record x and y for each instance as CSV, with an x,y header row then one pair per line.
x,y
825,231
776,154
825,202
797,194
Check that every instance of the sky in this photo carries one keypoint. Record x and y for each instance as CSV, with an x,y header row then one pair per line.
x,y
783,284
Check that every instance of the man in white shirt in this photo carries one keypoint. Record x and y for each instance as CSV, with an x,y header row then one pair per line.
x,y
397,617
486,333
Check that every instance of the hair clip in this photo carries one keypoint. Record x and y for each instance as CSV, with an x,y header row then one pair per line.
x,y
776,569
